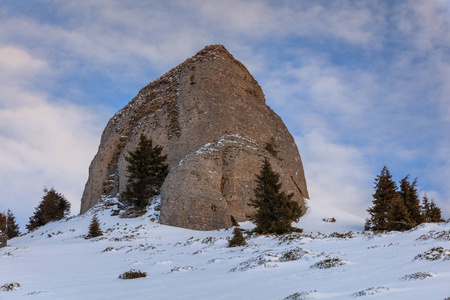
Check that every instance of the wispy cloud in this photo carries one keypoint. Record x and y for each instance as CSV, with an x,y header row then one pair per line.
x,y
44,143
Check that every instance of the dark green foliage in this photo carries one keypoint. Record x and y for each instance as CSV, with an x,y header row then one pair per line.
x,y
53,207
435,215
237,239
233,221
431,213
275,210
399,210
385,191
397,217
132,274
8,225
94,228
2,223
410,197
146,173
3,239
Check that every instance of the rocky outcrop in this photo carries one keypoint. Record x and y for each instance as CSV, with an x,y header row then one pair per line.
x,y
210,116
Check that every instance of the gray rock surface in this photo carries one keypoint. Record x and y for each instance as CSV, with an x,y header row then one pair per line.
x,y
210,116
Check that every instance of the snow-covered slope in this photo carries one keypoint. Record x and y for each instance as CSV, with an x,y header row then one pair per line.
x,y
325,219
56,262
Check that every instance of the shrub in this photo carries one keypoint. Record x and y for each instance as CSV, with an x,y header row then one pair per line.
x,y
132,274
435,253
417,276
8,287
329,220
370,291
328,263
342,235
300,296
293,254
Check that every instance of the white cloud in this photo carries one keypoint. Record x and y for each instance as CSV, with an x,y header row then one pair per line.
x,y
18,61
337,175
356,24
43,143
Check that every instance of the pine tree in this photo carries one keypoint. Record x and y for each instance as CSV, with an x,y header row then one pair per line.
x,y
2,225
237,239
94,228
53,207
147,170
425,209
397,217
12,228
431,213
385,192
275,210
435,213
410,196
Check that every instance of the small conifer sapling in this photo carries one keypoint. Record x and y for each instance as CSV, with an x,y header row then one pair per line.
x,y
237,239
94,228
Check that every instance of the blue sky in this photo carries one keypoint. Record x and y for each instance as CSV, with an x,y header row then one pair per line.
x,y
359,84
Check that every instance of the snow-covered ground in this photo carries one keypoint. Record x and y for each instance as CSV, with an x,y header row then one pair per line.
x,y
57,262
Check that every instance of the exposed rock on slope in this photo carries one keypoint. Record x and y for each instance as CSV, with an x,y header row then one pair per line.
x,y
210,116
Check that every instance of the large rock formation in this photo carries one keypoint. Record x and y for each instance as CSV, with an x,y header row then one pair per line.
x,y
210,116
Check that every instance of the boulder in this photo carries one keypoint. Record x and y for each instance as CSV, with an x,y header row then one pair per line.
x,y
209,114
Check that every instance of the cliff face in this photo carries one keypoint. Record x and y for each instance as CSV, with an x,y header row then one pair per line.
x,y
210,116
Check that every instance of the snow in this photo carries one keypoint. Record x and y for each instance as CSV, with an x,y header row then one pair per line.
x,y
57,262
234,138
312,221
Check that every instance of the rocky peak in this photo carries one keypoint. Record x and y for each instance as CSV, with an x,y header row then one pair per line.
x,y
210,101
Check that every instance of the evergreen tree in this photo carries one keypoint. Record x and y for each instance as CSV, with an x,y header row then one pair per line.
x,y
237,239
53,207
147,170
397,216
431,213
385,192
2,224
435,214
275,210
94,228
410,196
425,209
12,228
